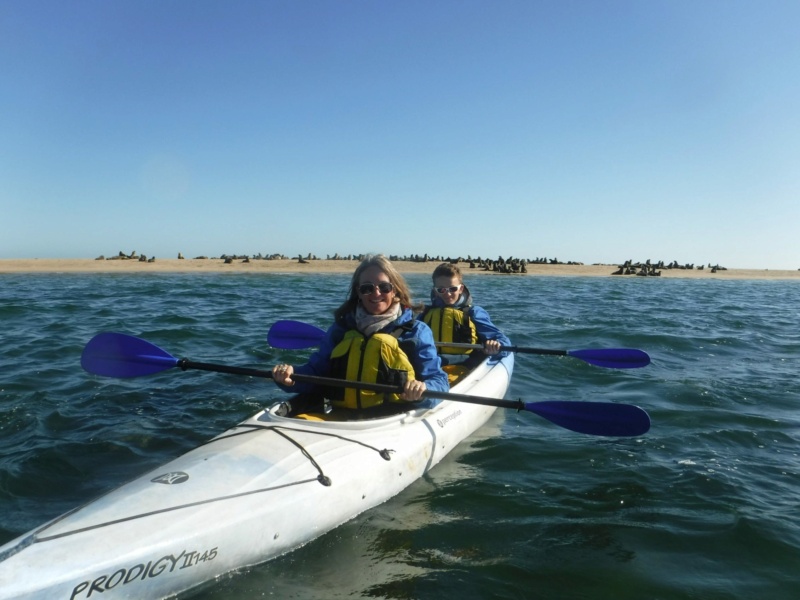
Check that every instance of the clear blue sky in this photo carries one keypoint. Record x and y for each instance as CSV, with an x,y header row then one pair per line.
x,y
583,130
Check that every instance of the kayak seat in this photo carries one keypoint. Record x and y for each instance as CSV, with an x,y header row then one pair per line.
x,y
455,373
312,417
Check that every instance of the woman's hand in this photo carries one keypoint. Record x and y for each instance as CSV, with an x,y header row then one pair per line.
x,y
413,390
491,347
283,374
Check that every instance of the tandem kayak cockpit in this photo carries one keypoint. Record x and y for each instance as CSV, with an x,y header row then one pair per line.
x,y
223,506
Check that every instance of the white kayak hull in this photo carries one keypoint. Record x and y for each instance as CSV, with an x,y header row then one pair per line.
x,y
259,490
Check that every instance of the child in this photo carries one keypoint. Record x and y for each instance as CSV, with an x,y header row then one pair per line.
x,y
453,317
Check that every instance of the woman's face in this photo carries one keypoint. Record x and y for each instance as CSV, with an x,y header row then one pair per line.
x,y
448,289
375,300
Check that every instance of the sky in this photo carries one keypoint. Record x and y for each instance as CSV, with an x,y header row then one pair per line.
x,y
576,130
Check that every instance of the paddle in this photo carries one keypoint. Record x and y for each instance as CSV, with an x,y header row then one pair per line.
x,y
294,335
121,355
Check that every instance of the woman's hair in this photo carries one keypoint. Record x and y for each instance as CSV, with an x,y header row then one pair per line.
x,y
401,291
447,270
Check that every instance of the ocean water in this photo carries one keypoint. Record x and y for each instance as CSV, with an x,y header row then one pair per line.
x,y
704,506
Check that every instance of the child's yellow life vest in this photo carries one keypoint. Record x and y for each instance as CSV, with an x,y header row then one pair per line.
x,y
451,325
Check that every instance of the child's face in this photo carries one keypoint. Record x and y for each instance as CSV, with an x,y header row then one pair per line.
x,y
452,289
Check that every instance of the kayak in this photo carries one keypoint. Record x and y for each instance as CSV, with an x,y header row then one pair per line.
x,y
257,491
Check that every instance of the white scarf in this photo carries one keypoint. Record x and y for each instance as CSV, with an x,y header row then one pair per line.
x,y
368,324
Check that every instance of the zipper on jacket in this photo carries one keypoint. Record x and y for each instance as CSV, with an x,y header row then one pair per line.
x,y
360,370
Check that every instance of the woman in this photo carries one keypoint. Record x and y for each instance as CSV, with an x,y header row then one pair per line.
x,y
453,317
374,338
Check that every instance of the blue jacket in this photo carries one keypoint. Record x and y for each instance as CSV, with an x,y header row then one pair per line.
x,y
426,362
484,327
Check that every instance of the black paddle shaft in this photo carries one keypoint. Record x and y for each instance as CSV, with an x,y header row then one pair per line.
x,y
185,363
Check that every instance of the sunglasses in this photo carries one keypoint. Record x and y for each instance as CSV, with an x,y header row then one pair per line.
x,y
451,290
384,287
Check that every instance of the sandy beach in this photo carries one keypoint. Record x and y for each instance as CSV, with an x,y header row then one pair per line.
x,y
214,265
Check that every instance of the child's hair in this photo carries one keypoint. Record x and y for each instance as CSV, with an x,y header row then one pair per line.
x,y
446,270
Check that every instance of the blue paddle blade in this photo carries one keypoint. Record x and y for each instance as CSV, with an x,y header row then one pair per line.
x,y
121,355
294,335
613,358
594,418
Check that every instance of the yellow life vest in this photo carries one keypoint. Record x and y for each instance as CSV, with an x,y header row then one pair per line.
x,y
451,325
375,359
